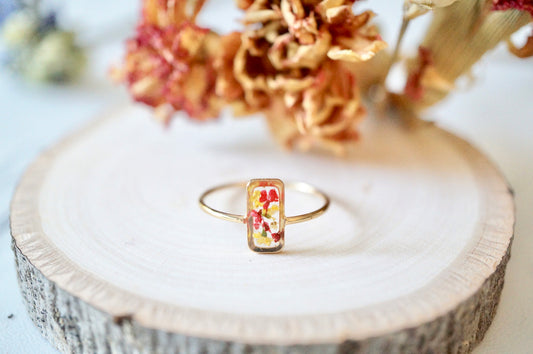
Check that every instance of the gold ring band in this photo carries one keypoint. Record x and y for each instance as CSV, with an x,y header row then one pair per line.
x,y
266,210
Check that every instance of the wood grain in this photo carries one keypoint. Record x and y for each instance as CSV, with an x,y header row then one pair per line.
x,y
113,252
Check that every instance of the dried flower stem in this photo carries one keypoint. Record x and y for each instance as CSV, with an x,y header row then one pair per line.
x,y
397,46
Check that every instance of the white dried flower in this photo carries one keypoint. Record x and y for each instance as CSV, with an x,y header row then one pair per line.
x,y
55,58
19,29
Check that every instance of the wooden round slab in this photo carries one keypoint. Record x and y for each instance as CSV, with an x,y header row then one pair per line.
x,y
114,254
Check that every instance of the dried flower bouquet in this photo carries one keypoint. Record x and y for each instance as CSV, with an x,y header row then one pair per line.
x,y
305,64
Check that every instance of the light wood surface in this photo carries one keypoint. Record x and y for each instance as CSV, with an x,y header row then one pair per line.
x,y
111,244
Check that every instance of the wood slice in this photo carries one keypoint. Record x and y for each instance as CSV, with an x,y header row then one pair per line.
x,y
114,254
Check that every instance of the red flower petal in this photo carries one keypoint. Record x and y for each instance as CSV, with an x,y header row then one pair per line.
x,y
523,5
263,197
257,218
273,195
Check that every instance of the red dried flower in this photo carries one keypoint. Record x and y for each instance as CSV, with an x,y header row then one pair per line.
x,y
523,5
170,63
171,66
257,218
276,236
271,197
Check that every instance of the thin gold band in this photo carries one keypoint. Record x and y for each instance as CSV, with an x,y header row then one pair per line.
x,y
298,186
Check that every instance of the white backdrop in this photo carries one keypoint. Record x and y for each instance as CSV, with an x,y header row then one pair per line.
x,y
496,115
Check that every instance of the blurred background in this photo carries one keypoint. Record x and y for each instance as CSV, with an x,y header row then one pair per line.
x,y
52,86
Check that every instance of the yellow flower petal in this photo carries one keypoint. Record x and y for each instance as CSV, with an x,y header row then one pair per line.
x,y
274,208
255,199
262,240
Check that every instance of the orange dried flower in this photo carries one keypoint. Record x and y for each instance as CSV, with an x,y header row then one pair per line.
x,y
287,60
227,86
325,114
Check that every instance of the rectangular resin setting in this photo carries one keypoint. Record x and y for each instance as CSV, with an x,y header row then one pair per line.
x,y
266,215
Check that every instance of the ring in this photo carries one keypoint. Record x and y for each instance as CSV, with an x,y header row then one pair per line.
x,y
265,216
